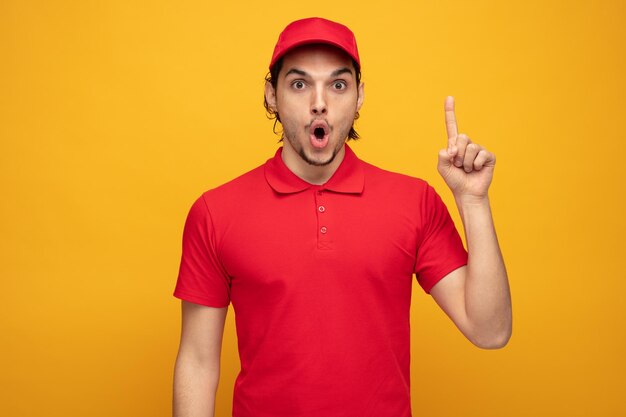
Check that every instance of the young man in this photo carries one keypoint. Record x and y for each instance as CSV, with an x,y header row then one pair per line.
x,y
316,250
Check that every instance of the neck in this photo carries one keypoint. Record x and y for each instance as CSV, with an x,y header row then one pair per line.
x,y
313,174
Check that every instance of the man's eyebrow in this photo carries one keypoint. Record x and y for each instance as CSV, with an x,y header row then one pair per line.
x,y
335,73
296,71
340,71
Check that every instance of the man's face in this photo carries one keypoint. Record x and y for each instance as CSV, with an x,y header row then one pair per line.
x,y
317,99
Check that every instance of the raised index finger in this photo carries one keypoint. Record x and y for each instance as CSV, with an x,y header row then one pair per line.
x,y
450,121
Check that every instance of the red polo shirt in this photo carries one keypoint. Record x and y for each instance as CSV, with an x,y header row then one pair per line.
x,y
320,281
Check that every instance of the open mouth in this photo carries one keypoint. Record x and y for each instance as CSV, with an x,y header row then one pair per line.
x,y
319,133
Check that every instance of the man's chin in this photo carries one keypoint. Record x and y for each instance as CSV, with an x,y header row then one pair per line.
x,y
323,160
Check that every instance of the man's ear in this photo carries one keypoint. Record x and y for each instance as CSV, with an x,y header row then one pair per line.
x,y
361,96
270,95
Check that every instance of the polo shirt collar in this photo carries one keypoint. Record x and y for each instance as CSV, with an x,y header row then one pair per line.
x,y
348,178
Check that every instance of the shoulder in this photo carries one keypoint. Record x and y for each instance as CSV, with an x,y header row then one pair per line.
x,y
244,187
395,182
227,202
408,193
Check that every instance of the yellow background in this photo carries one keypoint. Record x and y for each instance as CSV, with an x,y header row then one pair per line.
x,y
116,115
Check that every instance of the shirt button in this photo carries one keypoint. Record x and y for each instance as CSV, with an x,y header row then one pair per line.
x,y
323,229
321,209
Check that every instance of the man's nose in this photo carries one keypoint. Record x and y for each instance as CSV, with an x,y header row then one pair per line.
x,y
318,106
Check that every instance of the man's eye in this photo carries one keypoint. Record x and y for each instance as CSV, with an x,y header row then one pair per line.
x,y
339,85
298,85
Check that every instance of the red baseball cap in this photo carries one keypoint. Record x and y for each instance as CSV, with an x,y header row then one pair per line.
x,y
315,30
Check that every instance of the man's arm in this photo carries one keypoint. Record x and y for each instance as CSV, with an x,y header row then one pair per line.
x,y
197,370
476,297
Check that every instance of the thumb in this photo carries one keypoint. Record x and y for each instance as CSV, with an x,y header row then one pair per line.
x,y
445,160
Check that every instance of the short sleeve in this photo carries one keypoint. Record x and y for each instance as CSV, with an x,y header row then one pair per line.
x,y
440,250
201,277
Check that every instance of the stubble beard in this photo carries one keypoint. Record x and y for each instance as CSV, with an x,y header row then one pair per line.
x,y
289,134
313,162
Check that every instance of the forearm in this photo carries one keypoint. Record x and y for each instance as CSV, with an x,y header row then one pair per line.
x,y
487,295
195,388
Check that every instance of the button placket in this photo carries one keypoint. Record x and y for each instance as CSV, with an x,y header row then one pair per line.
x,y
323,231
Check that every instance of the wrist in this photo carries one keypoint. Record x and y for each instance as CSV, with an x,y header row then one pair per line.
x,y
475,214
471,201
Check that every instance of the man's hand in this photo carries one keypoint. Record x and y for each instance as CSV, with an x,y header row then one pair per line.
x,y
465,166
